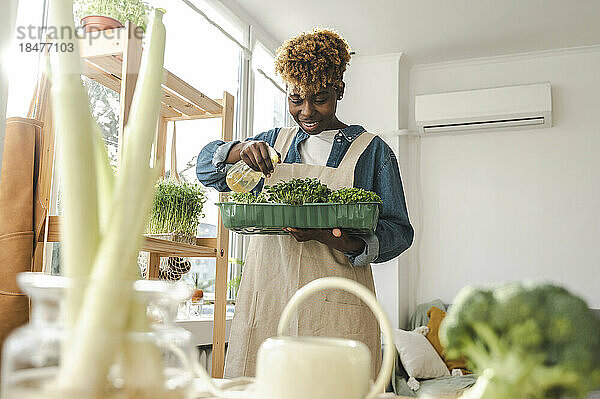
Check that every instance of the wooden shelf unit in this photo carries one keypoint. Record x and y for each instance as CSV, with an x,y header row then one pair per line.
x,y
113,59
204,248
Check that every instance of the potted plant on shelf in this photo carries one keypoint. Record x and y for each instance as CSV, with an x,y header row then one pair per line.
x,y
176,214
98,15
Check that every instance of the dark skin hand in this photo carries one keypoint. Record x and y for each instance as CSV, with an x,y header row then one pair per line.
x,y
336,238
314,113
255,154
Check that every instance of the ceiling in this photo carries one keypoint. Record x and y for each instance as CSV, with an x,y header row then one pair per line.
x,y
435,30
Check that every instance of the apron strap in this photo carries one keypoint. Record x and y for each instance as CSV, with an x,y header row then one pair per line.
x,y
284,140
358,146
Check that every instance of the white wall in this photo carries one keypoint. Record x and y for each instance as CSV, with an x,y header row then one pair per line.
x,y
374,99
520,204
371,98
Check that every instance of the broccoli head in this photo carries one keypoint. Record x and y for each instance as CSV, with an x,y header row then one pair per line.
x,y
526,340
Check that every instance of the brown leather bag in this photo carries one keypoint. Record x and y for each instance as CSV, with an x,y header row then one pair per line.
x,y
16,220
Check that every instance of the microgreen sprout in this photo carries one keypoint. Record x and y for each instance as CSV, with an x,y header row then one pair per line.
x,y
177,208
352,195
306,191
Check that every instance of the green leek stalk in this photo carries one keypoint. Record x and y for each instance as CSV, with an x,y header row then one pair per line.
x,y
106,304
106,180
80,224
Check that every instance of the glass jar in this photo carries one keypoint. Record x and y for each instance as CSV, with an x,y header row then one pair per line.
x,y
32,354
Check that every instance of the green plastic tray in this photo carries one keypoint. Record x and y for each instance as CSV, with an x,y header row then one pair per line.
x,y
359,219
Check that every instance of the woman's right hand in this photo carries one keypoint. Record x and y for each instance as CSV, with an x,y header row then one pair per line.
x,y
256,155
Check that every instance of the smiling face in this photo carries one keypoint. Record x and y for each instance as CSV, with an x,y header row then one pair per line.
x,y
315,112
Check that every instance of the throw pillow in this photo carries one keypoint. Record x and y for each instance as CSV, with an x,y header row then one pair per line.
x,y
435,319
419,358
419,316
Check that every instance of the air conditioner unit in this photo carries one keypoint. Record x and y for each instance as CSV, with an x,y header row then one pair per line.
x,y
525,106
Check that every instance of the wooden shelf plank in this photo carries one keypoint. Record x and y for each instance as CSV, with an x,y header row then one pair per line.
x,y
180,100
176,92
191,118
110,42
205,248
168,112
210,242
182,88
106,79
180,104
97,74
172,248
110,63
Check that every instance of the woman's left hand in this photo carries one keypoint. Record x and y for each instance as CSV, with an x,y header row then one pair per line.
x,y
334,238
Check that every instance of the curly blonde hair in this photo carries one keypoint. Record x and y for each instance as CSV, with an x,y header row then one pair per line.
x,y
312,61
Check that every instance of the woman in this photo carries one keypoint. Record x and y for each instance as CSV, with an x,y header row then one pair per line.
x,y
321,146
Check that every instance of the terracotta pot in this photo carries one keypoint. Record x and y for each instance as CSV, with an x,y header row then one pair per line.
x,y
93,23
197,296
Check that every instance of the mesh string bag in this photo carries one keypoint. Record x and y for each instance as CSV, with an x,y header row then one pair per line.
x,y
171,268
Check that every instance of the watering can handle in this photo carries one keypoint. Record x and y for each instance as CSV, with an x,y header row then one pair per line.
x,y
367,296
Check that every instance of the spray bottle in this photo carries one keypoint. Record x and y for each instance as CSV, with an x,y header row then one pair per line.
x,y
241,178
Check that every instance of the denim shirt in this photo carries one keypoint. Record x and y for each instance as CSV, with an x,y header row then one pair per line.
x,y
376,170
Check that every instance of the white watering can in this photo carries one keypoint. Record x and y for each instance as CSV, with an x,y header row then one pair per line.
x,y
318,367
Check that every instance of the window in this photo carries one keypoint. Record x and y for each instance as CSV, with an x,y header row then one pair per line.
x,y
200,54
104,104
222,17
269,95
23,60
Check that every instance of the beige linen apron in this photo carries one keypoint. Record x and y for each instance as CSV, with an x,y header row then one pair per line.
x,y
277,266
